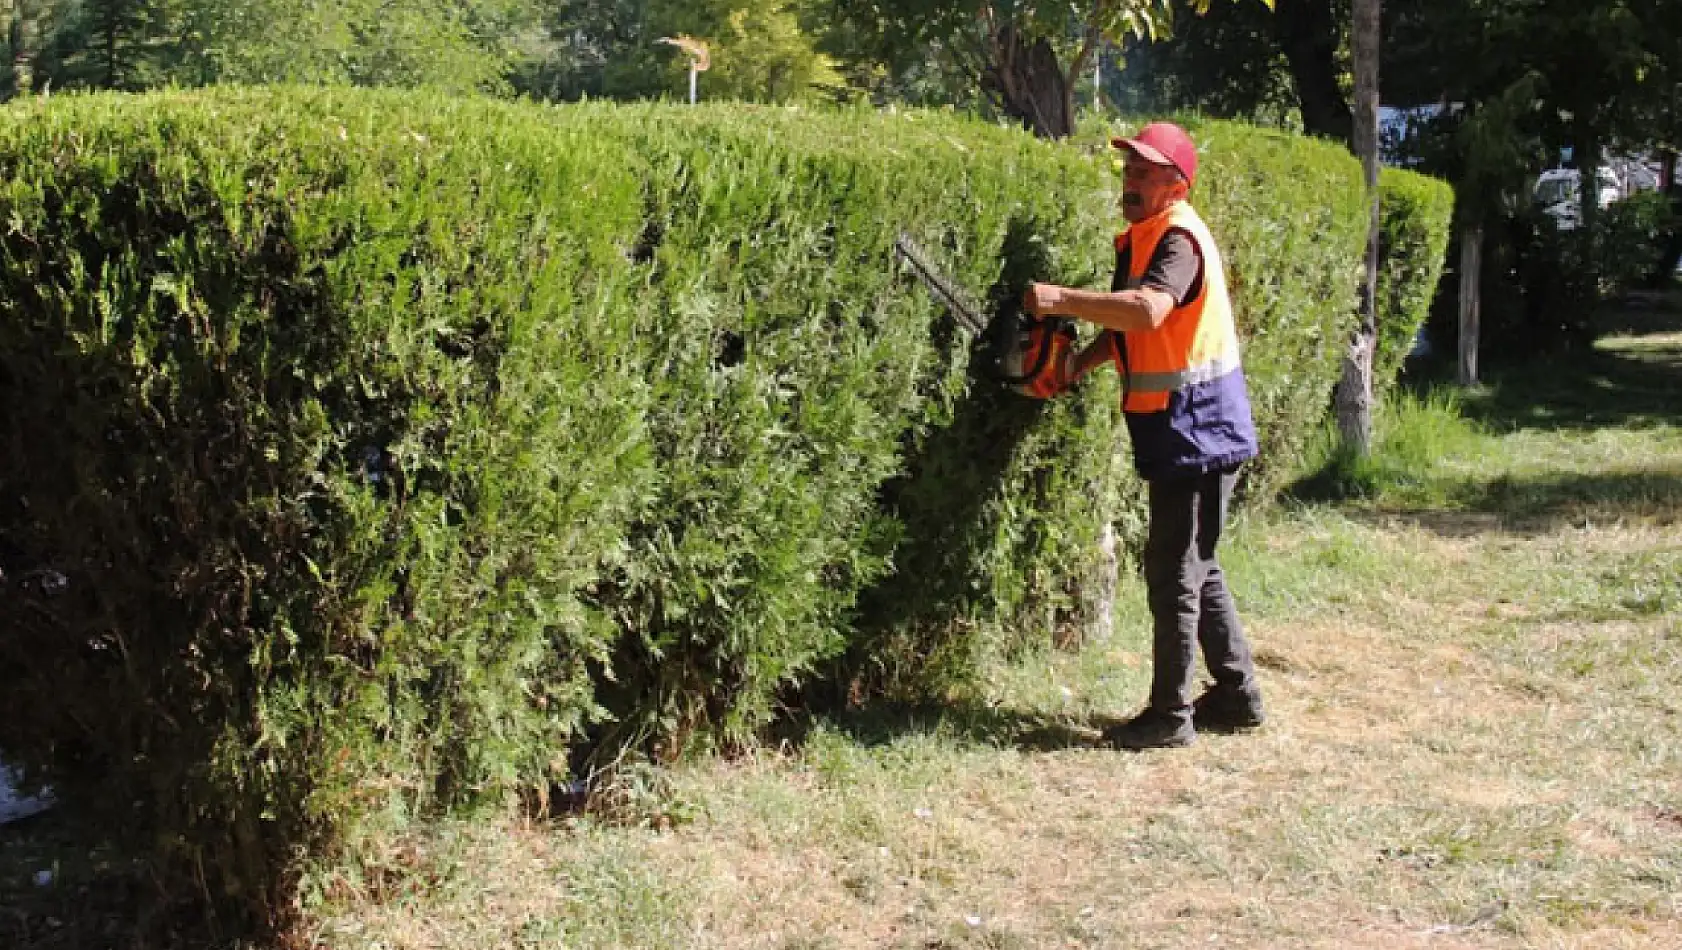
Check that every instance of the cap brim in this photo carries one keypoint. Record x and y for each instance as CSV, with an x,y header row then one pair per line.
x,y
1142,150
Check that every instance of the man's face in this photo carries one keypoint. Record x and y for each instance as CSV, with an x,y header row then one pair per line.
x,y
1147,188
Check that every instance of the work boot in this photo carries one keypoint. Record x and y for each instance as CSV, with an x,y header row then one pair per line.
x,y
1152,730
1228,709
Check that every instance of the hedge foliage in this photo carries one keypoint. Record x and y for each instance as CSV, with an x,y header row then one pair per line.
x,y
1417,213
294,391
369,454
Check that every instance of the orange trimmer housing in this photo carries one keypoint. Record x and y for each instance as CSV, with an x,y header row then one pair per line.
x,y
1037,364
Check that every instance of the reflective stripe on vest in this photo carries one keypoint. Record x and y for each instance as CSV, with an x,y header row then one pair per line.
x,y
1168,382
1197,342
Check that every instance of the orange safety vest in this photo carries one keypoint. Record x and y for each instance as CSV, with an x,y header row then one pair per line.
x,y
1198,342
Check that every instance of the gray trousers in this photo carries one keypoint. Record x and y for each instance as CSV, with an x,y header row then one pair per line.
x,y
1189,600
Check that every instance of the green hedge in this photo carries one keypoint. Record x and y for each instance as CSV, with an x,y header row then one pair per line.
x,y
796,369
1416,214
294,390
368,454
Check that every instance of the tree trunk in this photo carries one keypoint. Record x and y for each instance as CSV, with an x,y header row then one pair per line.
x,y
1307,32
23,35
1471,269
1028,82
1098,80
1097,596
112,79
1091,47
1587,154
1354,390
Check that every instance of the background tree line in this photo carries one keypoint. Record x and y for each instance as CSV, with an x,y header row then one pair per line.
x,y
1019,58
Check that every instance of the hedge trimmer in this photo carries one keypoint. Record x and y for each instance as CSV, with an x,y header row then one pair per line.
x,y
1032,360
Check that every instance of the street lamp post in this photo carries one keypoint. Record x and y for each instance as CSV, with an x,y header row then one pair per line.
x,y
699,59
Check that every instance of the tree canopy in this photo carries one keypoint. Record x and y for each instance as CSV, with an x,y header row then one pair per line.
x,y
1016,58
1021,57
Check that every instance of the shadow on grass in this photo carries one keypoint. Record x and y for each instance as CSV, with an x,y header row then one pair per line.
x,y
1633,381
1341,479
1642,312
1653,493
1545,504
880,724
1596,390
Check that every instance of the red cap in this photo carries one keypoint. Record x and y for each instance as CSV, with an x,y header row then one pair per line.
x,y
1163,143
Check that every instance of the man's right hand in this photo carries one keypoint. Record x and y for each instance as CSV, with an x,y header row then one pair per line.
x,y
1084,360
1042,299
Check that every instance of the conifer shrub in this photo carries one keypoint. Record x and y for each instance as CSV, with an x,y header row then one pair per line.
x,y
1416,213
806,370
366,455
317,411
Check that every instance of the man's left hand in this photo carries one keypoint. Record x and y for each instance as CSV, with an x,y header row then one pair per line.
x,y
1041,299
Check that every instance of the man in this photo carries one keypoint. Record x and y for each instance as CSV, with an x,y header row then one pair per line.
x,y
1168,327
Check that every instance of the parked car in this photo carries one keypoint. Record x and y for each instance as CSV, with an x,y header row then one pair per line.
x,y
1558,193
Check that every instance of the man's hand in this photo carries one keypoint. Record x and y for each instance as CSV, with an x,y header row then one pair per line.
x,y
1042,299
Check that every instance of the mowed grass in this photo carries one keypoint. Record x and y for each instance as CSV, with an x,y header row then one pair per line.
x,y
1474,669
1471,647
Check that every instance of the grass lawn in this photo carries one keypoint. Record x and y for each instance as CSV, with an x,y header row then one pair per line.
x,y
1471,648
